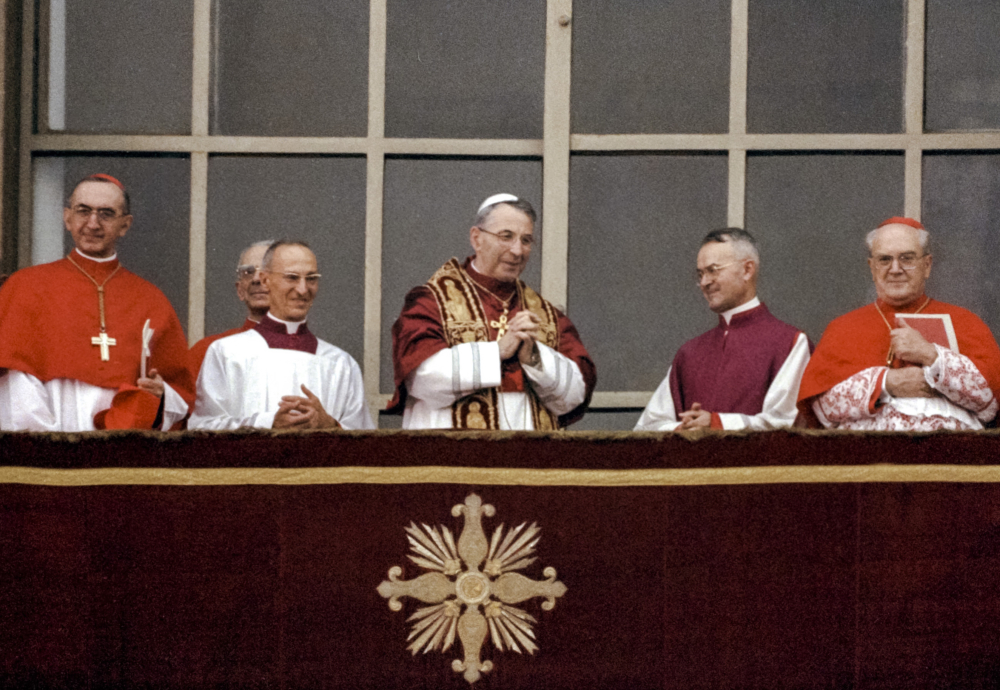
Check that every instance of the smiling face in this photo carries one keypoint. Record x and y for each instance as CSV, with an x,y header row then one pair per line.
x,y
96,218
250,287
497,255
292,282
895,285
731,283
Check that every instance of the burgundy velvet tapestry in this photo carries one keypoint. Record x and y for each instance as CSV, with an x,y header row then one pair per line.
x,y
263,560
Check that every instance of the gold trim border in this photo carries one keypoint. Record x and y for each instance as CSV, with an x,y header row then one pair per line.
x,y
797,474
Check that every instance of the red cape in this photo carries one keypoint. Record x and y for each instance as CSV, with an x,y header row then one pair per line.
x,y
49,313
860,339
418,333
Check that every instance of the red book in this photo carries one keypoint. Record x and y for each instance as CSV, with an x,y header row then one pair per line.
x,y
936,328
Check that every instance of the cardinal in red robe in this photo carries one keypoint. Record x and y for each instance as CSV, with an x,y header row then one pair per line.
x,y
874,370
72,348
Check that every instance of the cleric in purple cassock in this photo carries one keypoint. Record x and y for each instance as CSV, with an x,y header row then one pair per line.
x,y
742,374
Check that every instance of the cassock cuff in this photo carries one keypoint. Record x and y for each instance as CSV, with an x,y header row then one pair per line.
x,y
174,407
546,363
933,373
553,377
475,366
264,420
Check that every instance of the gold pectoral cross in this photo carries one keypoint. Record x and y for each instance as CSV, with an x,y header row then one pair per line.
x,y
104,341
500,325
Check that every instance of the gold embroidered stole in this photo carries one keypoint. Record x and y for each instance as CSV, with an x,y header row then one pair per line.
x,y
464,321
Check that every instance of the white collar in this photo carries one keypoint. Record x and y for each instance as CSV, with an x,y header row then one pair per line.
x,y
91,258
291,326
746,306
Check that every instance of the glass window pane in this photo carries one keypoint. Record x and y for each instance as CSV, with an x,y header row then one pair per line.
x,y
963,64
659,67
472,69
291,68
319,200
636,222
832,66
159,187
430,205
127,66
961,213
810,214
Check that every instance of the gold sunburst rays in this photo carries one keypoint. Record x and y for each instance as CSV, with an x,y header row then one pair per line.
x,y
436,627
437,550
508,624
511,553
468,603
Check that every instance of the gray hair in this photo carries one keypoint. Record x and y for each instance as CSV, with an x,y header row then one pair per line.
x,y
265,263
262,243
743,242
923,238
521,205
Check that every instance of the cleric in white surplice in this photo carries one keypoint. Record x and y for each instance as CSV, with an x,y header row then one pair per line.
x,y
279,375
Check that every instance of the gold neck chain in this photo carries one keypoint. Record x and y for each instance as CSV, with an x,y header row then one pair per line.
x,y
888,357
501,323
102,339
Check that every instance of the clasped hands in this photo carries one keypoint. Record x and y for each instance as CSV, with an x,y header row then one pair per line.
x,y
522,331
296,412
695,418
909,382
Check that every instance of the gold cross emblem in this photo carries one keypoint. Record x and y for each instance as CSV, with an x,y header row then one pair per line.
x,y
104,341
454,582
500,325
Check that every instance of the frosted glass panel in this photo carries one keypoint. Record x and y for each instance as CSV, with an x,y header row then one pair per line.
x,y
291,68
128,66
963,65
650,67
470,69
830,66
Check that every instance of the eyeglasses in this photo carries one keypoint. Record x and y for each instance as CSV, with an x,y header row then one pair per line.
x,y
907,261
711,272
247,271
104,215
508,238
312,279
